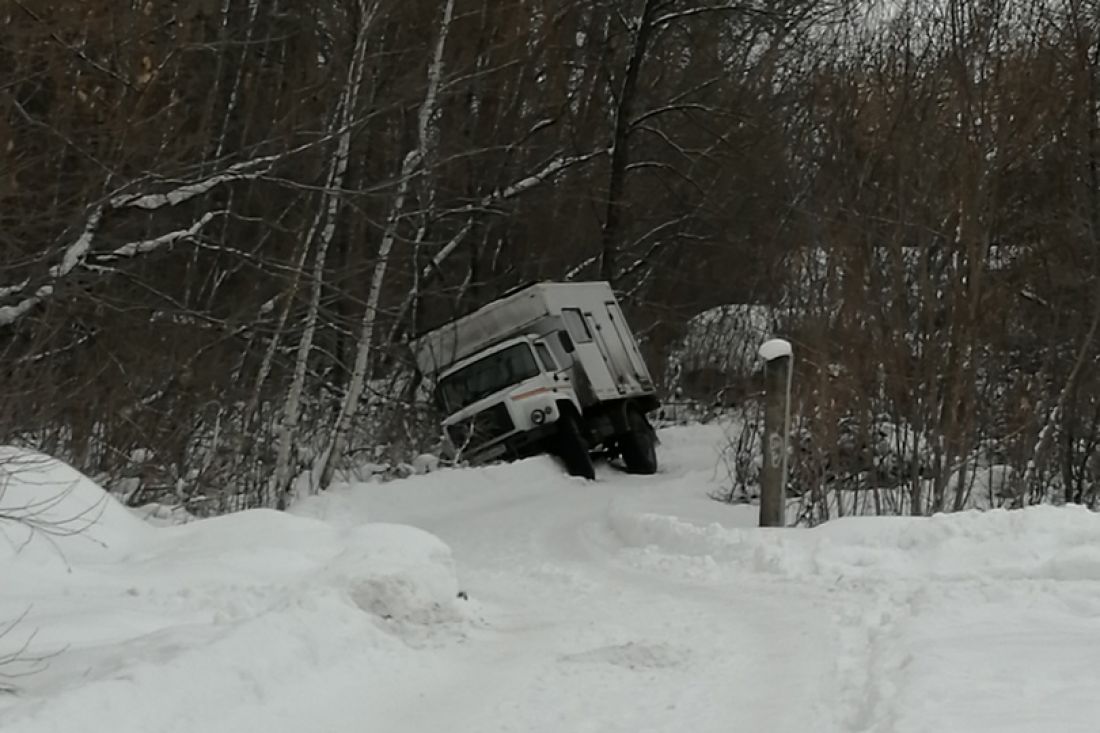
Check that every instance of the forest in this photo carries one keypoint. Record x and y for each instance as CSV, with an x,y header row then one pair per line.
x,y
222,220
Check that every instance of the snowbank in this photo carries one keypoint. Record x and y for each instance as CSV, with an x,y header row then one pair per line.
x,y
50,512
127,627
976,621
630,602
440,493
396,572
1038,543
725,337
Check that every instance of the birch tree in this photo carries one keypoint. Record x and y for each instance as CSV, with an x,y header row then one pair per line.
x,y
414,164
321,232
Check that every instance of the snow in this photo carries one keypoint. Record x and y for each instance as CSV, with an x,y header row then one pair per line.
x,y
515,598
208,626
716,356
774,349
64,515
724,337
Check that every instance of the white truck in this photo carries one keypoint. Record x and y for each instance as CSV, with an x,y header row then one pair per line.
x,y
550,367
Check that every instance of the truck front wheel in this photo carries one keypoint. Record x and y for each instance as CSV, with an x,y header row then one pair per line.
x,y
572,448
639,446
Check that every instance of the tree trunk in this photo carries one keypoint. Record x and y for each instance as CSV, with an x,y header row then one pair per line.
x,y
325,221
620,155
423,154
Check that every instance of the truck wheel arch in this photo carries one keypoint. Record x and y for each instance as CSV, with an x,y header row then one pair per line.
x,y
568,407
572,447
620,416
637,445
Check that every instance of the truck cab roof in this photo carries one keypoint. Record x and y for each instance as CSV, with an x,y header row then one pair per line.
x,y
500,346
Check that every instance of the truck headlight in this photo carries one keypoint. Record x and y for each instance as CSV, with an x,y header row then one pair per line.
x,y
538,417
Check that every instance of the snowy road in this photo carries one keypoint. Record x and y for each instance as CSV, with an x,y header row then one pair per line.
x,y
572,635
576,639
626,604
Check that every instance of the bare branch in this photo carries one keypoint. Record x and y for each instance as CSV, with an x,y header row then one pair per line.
x,y
77,252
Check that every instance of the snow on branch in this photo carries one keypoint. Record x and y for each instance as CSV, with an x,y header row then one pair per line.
x,y
11,313
551,169
581,267
78,250
732,7
246,170
434,266
77,253
149,245
448,248
10,290
548,171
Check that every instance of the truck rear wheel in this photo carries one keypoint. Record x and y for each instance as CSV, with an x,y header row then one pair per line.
x,y
572,448
639,446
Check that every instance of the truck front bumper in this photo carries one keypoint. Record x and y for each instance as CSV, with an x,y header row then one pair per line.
x,y
520,444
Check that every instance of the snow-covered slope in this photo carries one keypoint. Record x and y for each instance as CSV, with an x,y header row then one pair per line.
x,y
514,598
214,625
59,507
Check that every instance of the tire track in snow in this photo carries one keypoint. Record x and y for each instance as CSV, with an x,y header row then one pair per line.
x,y
869,660
583,639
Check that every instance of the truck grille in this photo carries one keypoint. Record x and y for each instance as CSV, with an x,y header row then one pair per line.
x,y
481,428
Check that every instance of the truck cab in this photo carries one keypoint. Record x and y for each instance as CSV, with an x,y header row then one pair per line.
x,y
504,400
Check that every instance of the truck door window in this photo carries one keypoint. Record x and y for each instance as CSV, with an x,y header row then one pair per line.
x,y
545,357
574,323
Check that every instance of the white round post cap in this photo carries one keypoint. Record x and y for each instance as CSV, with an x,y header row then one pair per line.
x,y
774,349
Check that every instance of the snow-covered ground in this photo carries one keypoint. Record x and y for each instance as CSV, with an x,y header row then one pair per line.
x,y
513,598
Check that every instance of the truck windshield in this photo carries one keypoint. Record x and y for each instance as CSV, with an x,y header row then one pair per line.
x,y
486,376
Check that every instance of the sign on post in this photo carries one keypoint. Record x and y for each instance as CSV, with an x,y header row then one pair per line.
x,y
778,359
